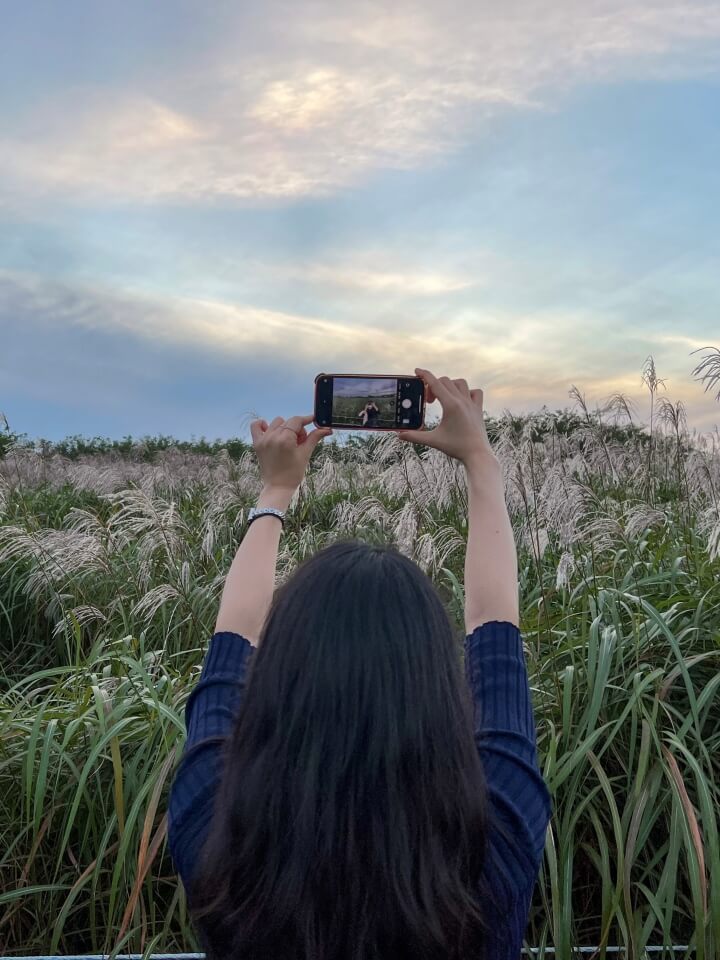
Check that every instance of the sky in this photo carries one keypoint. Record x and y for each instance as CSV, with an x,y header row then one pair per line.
x,y
203,205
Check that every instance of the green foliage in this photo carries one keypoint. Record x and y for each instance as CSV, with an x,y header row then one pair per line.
x,y
145,449
8,437
112,560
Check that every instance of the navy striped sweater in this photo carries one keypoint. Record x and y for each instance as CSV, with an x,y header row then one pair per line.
x,y
504,729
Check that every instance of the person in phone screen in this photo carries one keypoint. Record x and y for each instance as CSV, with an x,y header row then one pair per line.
x,y
369,414
373,412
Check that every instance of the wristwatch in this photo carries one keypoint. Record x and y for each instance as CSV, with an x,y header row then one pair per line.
x,y
255,512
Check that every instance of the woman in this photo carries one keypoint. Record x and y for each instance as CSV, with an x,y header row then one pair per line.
x,y
345,792
373,412
369,414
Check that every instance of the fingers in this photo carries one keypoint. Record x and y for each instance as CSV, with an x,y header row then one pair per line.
x,y
257,429
456,387
436,385
462,387
312,439
439,388
429,394
295,423
434,388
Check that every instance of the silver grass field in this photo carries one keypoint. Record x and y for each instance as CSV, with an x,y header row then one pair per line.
x,y
111,568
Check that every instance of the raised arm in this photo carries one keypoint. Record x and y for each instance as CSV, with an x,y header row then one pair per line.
x,y
491,575
249,585
504,724
283,449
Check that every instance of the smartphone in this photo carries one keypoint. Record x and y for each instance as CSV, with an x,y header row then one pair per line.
x,y
354,401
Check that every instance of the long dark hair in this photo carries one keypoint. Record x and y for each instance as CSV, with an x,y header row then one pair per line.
x,y
351,817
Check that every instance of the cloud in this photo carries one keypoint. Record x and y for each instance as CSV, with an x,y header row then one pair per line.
x,y
692,343
211,326
327,94
216,328
407,282
522,361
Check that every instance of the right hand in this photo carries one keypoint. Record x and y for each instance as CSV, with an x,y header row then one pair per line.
x,y
461,432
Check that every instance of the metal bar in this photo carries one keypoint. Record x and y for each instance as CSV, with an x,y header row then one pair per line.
x,y
532,951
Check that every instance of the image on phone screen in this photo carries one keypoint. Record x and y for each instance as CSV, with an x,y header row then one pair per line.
x,y
370,403
364,403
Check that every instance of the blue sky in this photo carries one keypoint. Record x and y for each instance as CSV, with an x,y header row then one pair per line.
x,y
202,206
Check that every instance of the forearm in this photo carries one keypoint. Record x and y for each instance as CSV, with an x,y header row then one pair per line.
x,y
491,572
250,583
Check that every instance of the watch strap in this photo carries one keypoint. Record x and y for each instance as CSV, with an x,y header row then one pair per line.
x,y
256,512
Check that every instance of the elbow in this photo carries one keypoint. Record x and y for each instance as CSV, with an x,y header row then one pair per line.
x,y
500,612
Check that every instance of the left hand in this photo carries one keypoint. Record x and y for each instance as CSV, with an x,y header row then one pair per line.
x,y
283,449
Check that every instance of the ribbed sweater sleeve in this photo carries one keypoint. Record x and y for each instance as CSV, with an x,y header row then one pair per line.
x,y
210,712
504,729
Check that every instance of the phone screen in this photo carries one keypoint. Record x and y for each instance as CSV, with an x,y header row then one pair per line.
x,y
370,403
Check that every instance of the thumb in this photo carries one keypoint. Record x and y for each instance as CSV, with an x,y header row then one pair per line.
x,y
314,438
417,436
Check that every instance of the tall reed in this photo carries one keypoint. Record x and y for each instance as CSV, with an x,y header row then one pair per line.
x,y
111,569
